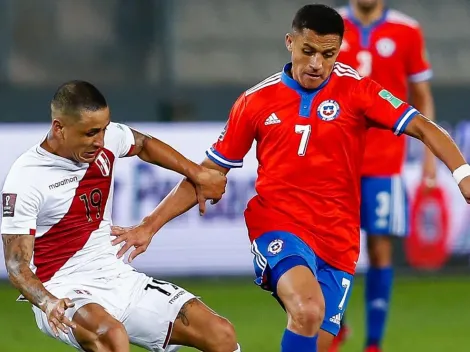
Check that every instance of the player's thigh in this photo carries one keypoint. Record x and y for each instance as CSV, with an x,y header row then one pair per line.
x,y
199,326
98,330
81,297
286,266
163,314
336,286
384,206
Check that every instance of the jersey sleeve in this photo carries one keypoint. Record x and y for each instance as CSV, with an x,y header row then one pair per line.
x,y
119,139
236,138
418,66
381,108
21,202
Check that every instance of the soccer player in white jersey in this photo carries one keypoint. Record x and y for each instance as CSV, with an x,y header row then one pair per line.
x,y
57,201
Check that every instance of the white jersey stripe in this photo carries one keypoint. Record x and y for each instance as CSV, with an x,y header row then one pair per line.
x,y
260,85
263,86
345,67
347,74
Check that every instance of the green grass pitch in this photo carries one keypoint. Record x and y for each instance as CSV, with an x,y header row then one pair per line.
x,y
428,315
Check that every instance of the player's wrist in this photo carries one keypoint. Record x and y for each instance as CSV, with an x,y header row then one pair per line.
x,y
461,172
46,301
193,170
151,225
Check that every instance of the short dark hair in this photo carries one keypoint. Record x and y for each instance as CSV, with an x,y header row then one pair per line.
x,y
73,97
319,18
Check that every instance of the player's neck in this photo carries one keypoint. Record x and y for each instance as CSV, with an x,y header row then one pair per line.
x,y
52,146
368,17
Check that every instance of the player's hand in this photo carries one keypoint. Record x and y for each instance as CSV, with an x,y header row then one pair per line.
x,y
464,186
210,184
55,311
138,237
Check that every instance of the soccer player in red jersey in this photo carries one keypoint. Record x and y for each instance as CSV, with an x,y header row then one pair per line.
x,y
310,122
387,46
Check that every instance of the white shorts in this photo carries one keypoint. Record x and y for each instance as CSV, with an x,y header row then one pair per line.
x,y
147,307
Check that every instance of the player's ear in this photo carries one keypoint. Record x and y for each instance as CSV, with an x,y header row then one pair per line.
x,y
57,128
289,42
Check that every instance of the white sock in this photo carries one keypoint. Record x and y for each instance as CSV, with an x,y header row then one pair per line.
x,y
238,348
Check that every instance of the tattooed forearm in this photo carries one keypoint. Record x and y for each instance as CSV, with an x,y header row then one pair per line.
x,y
183,313
18,250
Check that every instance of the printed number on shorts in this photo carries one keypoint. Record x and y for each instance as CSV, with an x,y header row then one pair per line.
x,y
346,283
158,285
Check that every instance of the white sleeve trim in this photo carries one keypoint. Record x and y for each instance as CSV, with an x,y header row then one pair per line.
x,y
403,121
6,230
222,161
129,138
421,76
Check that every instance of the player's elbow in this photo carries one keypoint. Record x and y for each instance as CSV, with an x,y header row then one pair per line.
x,y
420,127
14,269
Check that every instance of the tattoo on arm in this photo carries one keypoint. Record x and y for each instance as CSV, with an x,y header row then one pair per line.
x,y
18,250
140,140
183,313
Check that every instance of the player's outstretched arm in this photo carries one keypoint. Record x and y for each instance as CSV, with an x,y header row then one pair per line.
x,y
442,146
178,201
18,251
422,100
208,183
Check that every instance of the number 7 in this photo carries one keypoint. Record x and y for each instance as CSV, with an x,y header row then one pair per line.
x,y
304,130
346,283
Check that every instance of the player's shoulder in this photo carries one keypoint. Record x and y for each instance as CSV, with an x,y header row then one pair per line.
x,y
345,79
265,87
27,168
399,18
115,129
118,138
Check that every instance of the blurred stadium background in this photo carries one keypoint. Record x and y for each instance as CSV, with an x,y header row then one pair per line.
x,y
173,68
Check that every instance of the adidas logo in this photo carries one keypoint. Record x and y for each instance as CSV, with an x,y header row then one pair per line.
x,y
272,120
336,319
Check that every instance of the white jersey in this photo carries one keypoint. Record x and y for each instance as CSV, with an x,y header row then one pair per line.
x,y
67,207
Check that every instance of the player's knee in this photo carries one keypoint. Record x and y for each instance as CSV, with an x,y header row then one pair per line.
x,y
306,316
114,338
223,337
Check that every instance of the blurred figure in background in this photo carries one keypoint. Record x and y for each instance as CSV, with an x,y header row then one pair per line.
x,y
387,46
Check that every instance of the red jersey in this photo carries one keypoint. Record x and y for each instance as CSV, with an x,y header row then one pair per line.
x,y
310,145
391,51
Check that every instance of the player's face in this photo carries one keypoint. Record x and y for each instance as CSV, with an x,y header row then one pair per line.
x,y
313,56
366,5
81,140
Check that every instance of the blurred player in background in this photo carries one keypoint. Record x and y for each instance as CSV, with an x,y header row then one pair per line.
x,y
310,122
56,226
387,46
